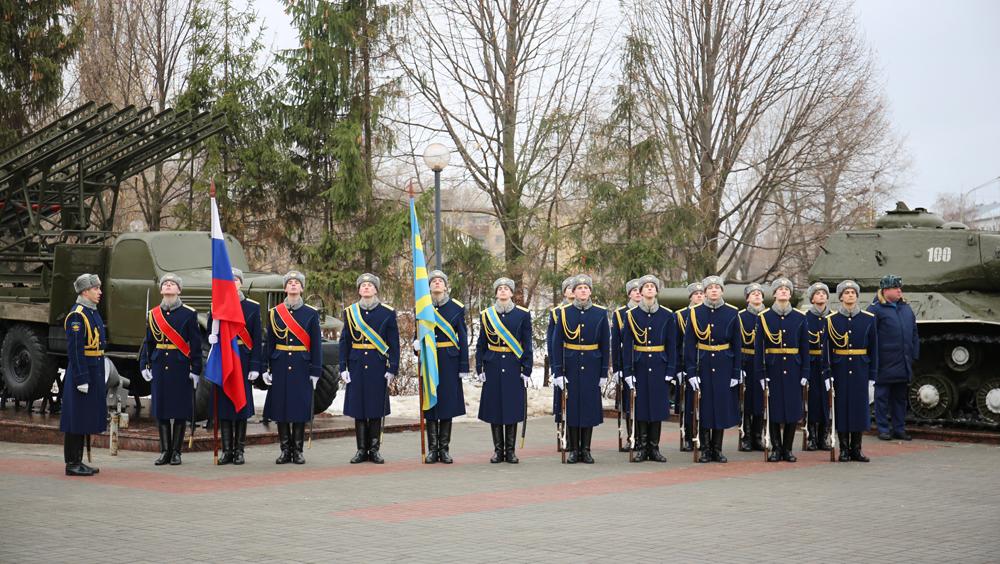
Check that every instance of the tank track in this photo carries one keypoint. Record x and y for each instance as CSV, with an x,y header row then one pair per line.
x,y
959,422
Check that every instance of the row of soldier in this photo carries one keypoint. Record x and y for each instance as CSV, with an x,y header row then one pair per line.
x,y
709,359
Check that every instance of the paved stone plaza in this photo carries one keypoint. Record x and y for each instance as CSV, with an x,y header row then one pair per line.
x,y
916,502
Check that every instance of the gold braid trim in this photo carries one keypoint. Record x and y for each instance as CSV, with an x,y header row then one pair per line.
x,y
705,335
839,339
641,335
775,338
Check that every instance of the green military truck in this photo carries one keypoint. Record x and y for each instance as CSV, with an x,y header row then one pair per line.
x,y
58,198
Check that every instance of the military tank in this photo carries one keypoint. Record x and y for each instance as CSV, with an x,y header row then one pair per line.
x,y
951,278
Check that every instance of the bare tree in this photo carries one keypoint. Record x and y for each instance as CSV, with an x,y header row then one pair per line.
x,y
745,95
509,82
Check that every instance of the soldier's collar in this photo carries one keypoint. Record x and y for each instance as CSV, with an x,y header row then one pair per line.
x,y
819,312
368,304
440,302
782,309
171,306
755,309
292,306
849,312
504,307
649,308
85,302
714,304
584,305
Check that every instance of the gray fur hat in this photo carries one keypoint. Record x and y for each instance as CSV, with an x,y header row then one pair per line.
x,y
237,273
294,275
782,283
503,281
567,283
85,282
752,287
649,279
583,280
709,280
171,277
437,274
371,279
848,285
695,287
816,287
632,284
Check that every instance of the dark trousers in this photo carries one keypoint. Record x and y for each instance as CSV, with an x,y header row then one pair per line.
x,y
73,448
890,403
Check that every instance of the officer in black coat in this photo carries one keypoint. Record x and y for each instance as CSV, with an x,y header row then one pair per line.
x,y
171,359
84,411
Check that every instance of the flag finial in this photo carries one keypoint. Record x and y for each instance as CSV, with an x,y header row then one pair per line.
x,y
211,189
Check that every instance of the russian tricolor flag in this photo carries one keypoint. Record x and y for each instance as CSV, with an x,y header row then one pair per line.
x,y
223,367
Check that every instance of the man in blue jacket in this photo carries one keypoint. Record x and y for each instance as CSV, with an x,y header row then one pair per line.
x,y
898,349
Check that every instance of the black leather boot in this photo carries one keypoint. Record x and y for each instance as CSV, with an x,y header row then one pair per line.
x,y
285,440
757,440
375,441
298,441
510,440
226,429
717,455
432,442
688,444
572,445
79,456
639,451
654,431
177,440
498,444
746,443
845,447
361,438
586,433
163,426
811,443
856,453
628,433
788,441
823,436
776,443
239,441
705,447
72,449
444,441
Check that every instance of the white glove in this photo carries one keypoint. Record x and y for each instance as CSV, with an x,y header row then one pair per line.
x,y
463,375
526,380
147,374
695,383
560,381
603,382
267,378
388,377
681,375
630,381
84,388
315,380
345,376
804,381
871,391
762,385
213,338
416,345
743,376
253,375
828,382
481,376
733,382
194,379
616,377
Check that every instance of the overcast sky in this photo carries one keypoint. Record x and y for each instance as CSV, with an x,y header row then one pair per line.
x,y
939,64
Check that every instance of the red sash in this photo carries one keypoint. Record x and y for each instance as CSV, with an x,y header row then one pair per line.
x,y
244,336
169,332
293,325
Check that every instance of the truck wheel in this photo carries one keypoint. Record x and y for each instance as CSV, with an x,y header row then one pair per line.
x,y
326,389
28,371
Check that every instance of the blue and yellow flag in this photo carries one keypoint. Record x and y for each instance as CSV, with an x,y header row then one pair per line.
x,y
424,310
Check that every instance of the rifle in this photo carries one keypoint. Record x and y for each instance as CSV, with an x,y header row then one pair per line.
x,y
805,415
631,438
215,425
562,435
312,414
619,407
524,425
743,408
831,396
681,407
696,407
194,395
767,419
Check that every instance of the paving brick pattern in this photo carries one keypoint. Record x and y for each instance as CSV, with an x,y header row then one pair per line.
x,y
916,502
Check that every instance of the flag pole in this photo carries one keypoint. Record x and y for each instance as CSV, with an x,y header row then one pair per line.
x,y
215,425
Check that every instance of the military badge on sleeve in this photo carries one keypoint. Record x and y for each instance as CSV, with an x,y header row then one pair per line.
x,y
75,326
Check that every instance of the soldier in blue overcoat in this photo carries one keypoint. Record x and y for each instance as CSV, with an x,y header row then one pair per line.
x,y
818,295
84,409
782,363
696,295
714,360
232,423
503,365
294,359
453,368
617,362
582,350
550,332
753,396
649,351
171,359
899,348
852,338
369,360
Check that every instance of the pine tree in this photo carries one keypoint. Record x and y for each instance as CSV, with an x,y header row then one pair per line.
x,y
37,41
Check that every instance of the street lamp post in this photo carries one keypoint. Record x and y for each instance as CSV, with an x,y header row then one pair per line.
x,y
436,157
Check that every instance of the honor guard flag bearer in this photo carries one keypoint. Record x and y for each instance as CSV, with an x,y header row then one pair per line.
x,y
223,367
426,321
